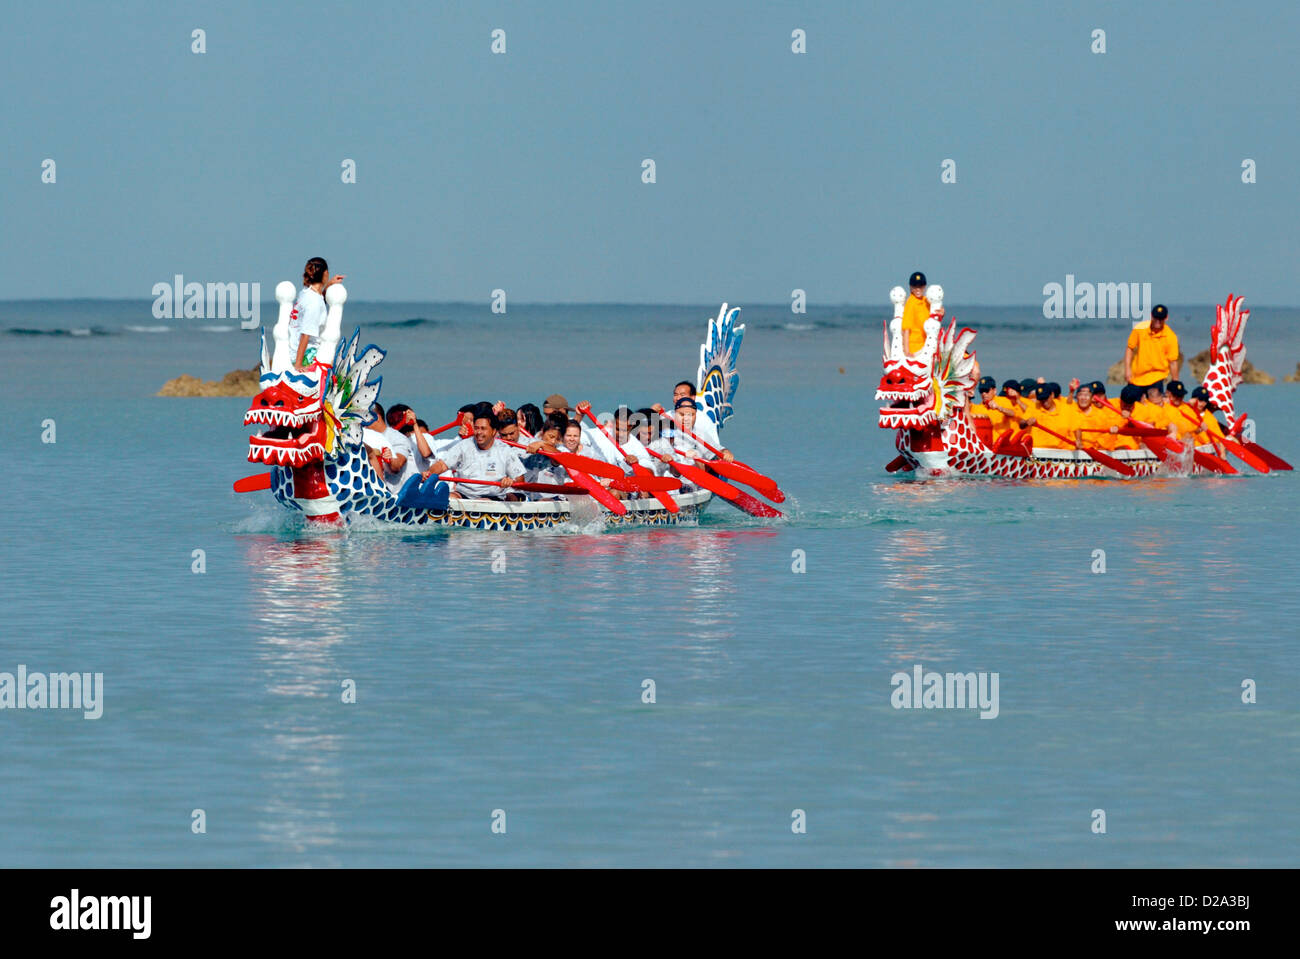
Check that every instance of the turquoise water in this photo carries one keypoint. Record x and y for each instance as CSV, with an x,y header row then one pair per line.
x,y
521,690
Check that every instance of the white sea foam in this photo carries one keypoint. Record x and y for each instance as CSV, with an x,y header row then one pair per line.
x,y
148,329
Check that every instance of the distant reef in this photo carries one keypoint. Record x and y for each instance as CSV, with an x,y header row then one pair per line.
x,y
234,383
1197,367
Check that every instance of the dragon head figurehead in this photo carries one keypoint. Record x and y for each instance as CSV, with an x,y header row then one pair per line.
x,y
312,415
924,389
291,405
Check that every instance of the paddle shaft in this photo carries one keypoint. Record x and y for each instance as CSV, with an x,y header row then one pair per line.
x,y
666,501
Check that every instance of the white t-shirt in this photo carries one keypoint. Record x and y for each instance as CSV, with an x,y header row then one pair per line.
x,y
308,317
603,448
543,469
400,446
422,462
493,463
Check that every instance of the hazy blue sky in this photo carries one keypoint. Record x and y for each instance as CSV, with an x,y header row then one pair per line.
x,y
775,170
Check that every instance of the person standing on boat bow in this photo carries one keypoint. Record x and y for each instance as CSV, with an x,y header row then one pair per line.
x,y
307,320
915,312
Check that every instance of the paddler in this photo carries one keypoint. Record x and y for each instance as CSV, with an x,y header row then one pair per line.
x,y
915,312
984,416
1211,431
1185,421
1010,407
704,426
1056,416
1088,416
1105,417
1152,351
1151,409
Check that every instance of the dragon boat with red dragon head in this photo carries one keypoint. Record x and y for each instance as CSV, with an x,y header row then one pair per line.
x,y
313,419
928,396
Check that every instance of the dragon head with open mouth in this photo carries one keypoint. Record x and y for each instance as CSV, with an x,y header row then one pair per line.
x,y
924,389
292,406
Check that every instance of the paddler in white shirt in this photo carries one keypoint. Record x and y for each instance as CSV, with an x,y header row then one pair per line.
x,y
543,469
481,457
674,440
703,427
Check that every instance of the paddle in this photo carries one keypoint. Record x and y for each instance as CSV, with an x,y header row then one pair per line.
x,y
1160,445
1232,446
575,461
740,472
1119,466
1130,430
1272,459
524,487
728,492
896,464
638,470
577,467
251,484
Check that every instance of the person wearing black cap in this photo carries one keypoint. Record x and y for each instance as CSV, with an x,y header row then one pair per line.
x,y
984,417
915,312
1181,416
1211,430
1057,417
1152,351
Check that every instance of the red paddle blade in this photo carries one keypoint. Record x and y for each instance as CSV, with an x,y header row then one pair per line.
x,y
1211,462
1158,447
743,474
754,507
1119,466
1272,459
647,484
646,479
1131,430
711,483
896,464
1246,456
601,495
585,464
251,484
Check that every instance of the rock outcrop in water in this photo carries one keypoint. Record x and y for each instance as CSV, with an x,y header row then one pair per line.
x,y
234,383
1195,370
1293,377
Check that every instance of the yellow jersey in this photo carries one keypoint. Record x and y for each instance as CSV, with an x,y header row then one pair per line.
x,y
1152,354
1059,419
915,312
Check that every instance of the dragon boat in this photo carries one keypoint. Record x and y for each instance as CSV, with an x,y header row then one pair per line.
x,y
319,466
928,395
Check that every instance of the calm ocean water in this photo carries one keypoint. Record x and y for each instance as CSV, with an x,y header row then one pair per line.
x,y
521,691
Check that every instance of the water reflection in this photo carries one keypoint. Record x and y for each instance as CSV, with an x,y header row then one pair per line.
x,y
298,592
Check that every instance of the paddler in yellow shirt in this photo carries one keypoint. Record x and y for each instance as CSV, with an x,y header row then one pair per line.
x,y
1005,412
1152,351
1108,419
915,312
1151,409
1088,416
1211,432
1185,421
1054,415
982,417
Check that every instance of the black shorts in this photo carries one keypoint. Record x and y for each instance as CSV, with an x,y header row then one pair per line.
x,y
1159,383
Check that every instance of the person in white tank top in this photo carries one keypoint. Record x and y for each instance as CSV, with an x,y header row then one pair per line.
x,y
307,321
